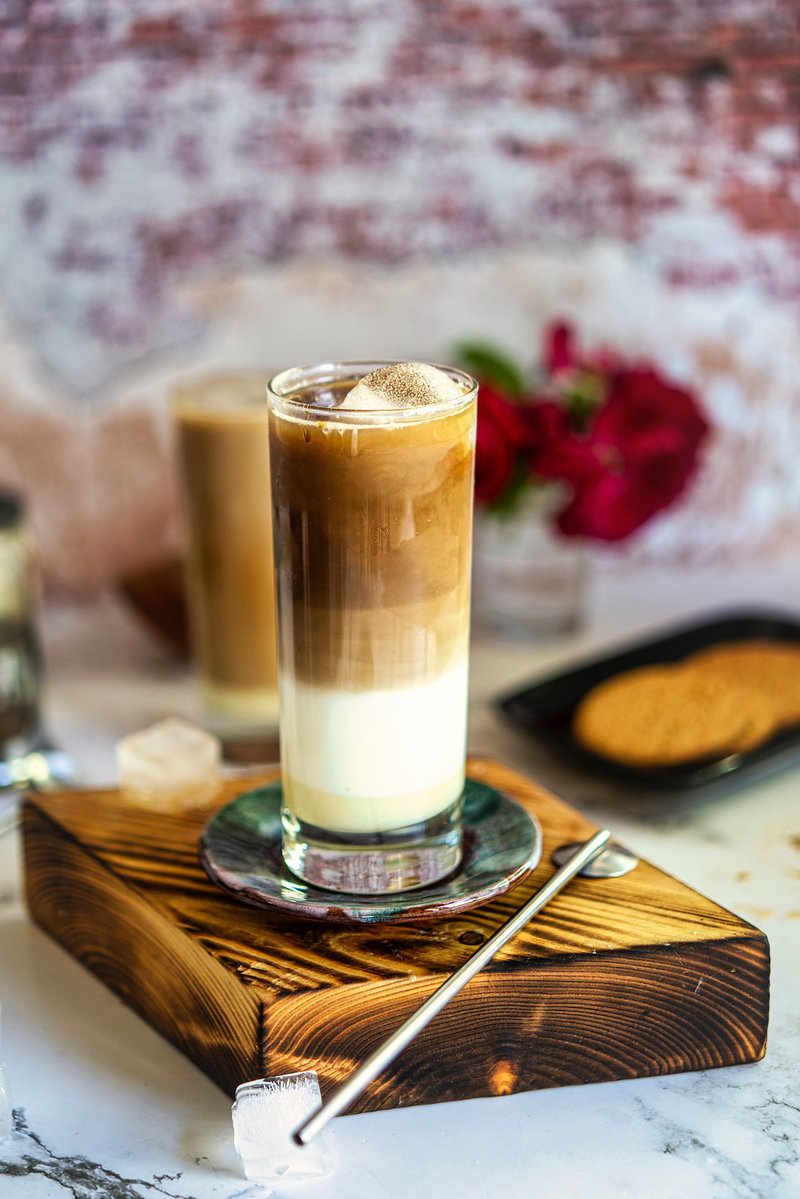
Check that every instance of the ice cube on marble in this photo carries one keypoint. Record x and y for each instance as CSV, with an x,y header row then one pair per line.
x,y
170,765
266,1113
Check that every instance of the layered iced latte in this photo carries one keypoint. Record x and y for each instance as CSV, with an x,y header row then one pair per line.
x,y
372,491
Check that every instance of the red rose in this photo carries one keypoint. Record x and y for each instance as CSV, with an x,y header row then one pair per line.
x,y
635,459
624,438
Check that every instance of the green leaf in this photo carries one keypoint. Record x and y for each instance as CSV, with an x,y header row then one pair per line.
x,y
519,483
583,398
490,365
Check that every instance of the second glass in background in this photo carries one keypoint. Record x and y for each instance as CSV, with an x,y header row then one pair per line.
x,y
20,658
223,446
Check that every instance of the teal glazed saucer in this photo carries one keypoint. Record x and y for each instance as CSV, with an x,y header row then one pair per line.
x,y
240,850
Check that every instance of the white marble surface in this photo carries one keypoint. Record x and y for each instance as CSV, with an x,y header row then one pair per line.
x,y
106,1109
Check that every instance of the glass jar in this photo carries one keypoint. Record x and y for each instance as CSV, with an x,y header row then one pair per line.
x,y
527,580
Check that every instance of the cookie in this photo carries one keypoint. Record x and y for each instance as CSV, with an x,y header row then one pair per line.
x,y
772,668
665,715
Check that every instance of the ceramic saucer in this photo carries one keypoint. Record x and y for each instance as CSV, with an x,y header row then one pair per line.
x,y
240,850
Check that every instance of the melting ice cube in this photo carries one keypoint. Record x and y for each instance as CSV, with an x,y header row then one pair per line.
x,y
402,385
265,1114
171,764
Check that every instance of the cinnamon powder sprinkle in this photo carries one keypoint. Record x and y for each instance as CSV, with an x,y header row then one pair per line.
x,y
406,383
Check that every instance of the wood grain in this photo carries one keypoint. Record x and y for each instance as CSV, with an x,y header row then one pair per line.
x,y
616,978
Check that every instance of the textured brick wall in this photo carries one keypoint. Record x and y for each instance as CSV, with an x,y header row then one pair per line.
x,y
146,141
151,149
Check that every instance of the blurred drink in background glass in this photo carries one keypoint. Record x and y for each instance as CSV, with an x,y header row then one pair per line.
x,y
223,442
20,660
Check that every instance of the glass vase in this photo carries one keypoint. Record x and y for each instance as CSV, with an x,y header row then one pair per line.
x,y
527,580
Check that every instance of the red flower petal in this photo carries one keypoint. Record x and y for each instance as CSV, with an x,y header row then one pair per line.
x,y
494,460
606,508
570,458
640,398
543,423
558,351
506,415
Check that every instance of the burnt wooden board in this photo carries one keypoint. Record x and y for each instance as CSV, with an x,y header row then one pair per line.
x,y
616,978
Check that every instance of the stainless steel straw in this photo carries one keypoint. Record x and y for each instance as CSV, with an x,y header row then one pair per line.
x,y
349,1090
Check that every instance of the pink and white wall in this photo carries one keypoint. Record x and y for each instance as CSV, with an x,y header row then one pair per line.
x,y
194,184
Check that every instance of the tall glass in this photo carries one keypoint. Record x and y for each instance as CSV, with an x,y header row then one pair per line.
x,y
372,526
223,444
20,659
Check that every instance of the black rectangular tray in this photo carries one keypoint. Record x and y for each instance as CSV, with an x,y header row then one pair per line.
x,y
545,709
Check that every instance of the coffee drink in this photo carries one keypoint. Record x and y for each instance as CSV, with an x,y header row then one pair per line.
x,y
372,488
224,449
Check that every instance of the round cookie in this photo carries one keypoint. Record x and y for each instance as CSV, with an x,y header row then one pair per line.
x,y
772,668
664,715
760,724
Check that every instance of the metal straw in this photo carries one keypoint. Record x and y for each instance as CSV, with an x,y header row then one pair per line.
x,y
349,1090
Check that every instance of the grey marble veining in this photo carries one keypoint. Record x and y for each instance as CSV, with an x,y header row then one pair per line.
x,y
26,1156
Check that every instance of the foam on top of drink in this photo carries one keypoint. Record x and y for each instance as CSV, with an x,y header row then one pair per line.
x,y
402,385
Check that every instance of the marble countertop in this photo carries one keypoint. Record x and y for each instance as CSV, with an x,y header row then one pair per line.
x,y
104,1107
